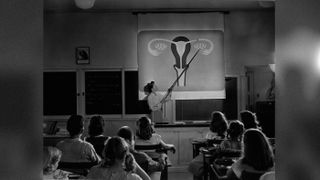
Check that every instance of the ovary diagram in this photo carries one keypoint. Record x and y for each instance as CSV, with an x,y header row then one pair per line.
x,y
180,47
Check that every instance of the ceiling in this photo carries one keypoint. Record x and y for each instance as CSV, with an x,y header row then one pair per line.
x,y
159,5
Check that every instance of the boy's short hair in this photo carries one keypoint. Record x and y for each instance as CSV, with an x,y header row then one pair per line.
x,y
126,133
75,125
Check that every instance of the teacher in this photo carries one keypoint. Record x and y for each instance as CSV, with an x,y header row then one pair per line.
x,y
156,101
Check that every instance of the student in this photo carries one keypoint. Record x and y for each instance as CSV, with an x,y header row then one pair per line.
x,y
147,136
218,126
249,120
74,149
51,158
96,137
116,154
142,158
257,155
234,136
218,130
156,101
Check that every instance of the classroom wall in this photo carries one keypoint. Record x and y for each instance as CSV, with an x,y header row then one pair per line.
x,y
112,38
249,40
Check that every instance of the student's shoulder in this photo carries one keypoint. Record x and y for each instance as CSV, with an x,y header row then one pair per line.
x,y
133,176
155,135
87,144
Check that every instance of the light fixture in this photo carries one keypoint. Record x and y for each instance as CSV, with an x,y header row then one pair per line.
x,y
266,3
84,4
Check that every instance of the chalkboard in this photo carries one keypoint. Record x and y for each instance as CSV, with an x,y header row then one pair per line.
x,y
132,103
59,93
103,92
192,110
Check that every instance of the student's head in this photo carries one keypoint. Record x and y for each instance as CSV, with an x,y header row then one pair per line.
x,y
51,158
150,87
249,119
75,125
96,126
115,151
145,129
218,123
257,150
126,133
236,129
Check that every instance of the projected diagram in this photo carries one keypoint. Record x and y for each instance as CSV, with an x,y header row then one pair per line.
x,y
180,47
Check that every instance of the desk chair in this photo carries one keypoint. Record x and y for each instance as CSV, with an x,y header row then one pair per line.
x,y
220,159
80,168
215,175
214,142
159,149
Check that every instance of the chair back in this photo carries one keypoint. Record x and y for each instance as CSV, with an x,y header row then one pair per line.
x,y
147,147
229,153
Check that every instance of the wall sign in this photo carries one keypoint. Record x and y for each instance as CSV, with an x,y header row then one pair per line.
x,y
83,55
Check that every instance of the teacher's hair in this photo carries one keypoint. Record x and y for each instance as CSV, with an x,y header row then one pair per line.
x,y
148,87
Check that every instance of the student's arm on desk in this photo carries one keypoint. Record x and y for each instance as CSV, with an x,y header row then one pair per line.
x,y
169,147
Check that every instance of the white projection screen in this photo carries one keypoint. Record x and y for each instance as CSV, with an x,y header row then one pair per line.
x,y
164,54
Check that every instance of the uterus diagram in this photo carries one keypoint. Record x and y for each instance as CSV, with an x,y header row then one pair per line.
x,y
180,47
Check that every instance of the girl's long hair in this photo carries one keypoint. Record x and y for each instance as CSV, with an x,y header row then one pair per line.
x,y
218,123
235,130
96,126
257,150
145,129
116,148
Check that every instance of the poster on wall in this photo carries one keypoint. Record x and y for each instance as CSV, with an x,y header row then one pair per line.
x,y
165,55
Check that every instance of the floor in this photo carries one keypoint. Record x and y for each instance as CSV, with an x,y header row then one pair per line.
x,y
179,173
180,176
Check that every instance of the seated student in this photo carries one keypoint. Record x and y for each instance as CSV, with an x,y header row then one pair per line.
x,y
74,149
257,155
142,158
115,156
249,120
218,129
51,158
147,136
96,137
218,126
234,136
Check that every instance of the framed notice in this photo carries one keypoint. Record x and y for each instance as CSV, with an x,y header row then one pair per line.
x,y
83,55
